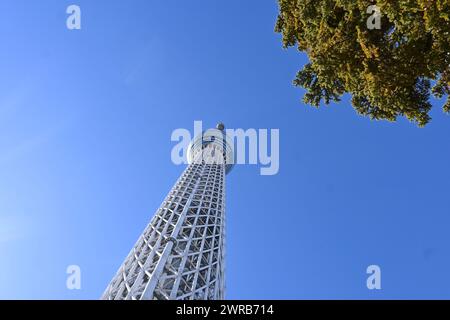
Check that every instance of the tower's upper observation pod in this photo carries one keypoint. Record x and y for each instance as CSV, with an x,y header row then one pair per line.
x,y
212,146
220,126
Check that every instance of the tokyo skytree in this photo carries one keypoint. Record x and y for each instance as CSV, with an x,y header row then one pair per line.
x,y
181,253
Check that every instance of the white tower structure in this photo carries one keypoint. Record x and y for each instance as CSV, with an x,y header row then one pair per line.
x,y
181,253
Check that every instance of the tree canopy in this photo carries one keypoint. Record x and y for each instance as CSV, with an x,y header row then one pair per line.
x,y
390,70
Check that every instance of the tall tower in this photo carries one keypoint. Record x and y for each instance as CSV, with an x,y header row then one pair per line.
x,y
181,253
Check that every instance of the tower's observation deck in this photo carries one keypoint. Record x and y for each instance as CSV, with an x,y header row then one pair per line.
x,y
212,147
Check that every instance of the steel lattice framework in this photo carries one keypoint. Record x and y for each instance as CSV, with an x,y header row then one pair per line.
x,y
181,253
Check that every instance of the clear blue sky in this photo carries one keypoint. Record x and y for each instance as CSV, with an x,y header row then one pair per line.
x,y
85,124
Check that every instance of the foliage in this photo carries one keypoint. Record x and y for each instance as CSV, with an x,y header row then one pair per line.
x,y
390,72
